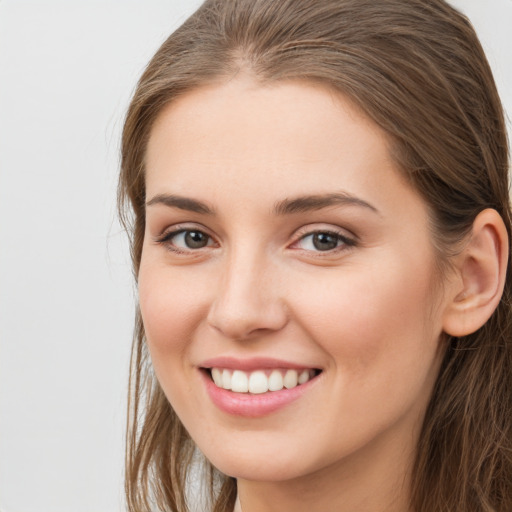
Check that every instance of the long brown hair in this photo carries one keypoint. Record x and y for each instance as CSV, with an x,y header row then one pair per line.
x,y
417,69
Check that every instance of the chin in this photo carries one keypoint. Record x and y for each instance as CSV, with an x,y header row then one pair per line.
x,y
262,465
258,470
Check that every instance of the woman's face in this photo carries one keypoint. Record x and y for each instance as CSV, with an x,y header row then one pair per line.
x,y
283,249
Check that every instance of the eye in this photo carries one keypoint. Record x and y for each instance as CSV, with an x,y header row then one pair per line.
x,y
323,241
186,240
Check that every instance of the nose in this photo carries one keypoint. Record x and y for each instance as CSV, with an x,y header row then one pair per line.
x,y
248,303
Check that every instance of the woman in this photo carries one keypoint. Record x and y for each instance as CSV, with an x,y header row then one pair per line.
x,y
321,240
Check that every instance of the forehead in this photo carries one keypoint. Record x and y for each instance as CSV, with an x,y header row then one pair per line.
x,y
291,137
295,109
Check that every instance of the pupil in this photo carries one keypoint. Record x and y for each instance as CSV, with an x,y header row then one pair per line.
x,y
325,241
196,239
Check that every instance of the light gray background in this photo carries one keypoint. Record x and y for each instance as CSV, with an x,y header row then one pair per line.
x,y
67,69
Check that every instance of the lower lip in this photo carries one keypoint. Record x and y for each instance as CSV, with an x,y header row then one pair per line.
x,y
252,406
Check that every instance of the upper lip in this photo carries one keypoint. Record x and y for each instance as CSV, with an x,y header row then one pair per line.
x,y
251,364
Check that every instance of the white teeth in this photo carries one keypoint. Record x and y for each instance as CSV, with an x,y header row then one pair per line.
x,y
290,379
226,379
259,381
275,381
239,382
217,377
304,376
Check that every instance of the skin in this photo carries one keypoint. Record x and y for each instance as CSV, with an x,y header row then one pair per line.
x,y
367,313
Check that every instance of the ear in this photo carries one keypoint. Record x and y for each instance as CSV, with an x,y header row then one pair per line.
x,y
481,269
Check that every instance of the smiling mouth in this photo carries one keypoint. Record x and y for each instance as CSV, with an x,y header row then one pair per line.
x,y
260,381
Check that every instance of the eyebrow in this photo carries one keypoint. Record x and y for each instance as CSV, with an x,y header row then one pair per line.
x,y
300,204
183,203
317,202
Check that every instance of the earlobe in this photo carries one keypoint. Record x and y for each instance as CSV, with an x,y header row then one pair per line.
x,y
481,269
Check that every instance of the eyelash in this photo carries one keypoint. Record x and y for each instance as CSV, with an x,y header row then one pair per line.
x,y
166,239
343,242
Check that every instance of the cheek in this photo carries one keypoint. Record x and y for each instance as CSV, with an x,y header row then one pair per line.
x,y
170,307
373,318
382,348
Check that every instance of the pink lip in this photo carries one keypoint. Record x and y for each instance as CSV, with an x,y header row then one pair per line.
x,y
248,365
252,406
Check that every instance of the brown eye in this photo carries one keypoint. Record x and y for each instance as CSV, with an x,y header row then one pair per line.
x,y
325,241
187,240
195,239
